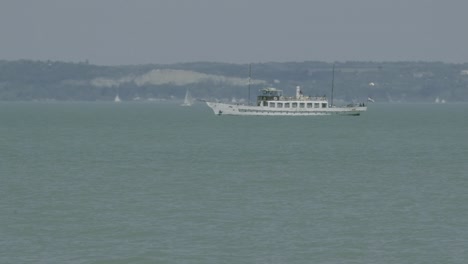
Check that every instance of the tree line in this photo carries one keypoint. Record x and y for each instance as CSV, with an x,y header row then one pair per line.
x,y
384,81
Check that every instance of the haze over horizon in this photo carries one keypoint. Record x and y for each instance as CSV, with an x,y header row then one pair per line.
x,y
115,32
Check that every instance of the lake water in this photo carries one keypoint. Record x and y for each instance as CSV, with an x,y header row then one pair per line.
x,y
160,183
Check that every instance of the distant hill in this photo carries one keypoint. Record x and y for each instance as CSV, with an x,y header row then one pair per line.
x,y
383,81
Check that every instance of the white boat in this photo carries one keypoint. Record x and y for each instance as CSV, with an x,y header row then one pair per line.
x,y
117,99
188,100
439,101
272,102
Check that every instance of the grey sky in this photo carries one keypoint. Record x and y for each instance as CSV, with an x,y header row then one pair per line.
x,y
114,32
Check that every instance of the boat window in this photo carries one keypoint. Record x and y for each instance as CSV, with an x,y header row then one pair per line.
x,y
316,105
272,104
294,105
265,103
302,105
324,105
286,105
309,105
279,105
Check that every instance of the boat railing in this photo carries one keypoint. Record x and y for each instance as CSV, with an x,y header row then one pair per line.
x,y
303,98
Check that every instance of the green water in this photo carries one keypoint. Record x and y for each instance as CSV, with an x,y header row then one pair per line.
x,y
160,183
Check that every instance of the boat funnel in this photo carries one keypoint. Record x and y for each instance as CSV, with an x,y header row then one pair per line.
x,y
298,91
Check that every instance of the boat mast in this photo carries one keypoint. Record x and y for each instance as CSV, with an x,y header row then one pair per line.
x,y
250,71
333,84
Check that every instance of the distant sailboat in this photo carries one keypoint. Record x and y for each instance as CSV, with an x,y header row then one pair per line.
x,y
188,100
117,97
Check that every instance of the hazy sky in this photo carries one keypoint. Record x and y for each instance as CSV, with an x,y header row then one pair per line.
x,y
111,32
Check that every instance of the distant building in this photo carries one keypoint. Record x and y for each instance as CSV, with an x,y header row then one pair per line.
x,y
464,72
422,74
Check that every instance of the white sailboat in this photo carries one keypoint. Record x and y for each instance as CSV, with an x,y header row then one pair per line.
x,y
188,100
117,97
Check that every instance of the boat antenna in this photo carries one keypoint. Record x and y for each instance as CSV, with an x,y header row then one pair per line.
x,y
333,84
250,72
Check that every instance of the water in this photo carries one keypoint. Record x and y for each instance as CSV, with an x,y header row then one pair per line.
x,y
160,183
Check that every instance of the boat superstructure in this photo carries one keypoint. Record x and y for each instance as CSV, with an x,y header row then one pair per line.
x,y
272,102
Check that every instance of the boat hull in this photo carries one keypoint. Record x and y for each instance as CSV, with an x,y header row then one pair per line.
x,y
248,110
